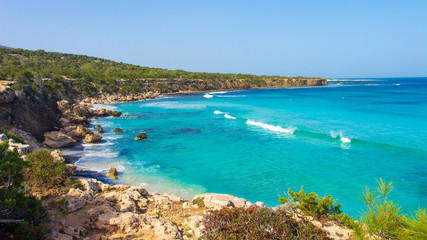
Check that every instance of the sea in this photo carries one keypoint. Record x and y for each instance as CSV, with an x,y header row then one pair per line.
x,y
258,143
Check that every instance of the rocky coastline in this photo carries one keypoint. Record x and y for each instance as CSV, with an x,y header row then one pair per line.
x,y
98,210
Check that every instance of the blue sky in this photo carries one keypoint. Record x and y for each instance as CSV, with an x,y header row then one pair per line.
x,y
309,38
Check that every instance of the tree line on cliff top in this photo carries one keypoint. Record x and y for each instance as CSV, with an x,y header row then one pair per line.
x,y
54,72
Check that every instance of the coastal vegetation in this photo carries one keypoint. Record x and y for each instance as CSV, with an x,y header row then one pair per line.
x,y
61,76
258,223
383,218
21,214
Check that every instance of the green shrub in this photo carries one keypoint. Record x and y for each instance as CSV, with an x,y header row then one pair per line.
x,y
11,166
44,171
22,215
318,207
257,223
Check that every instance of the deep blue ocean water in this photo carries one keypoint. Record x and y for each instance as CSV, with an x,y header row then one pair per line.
x,y
258,143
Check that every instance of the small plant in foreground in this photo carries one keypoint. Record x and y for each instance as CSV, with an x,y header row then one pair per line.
x,y
258,223
384,220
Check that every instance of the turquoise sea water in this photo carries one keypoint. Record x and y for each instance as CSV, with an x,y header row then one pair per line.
x,y
258,143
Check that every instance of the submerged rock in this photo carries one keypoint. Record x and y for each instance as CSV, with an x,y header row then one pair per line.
x,y
112,173
56,139
141,136
118,130
92,138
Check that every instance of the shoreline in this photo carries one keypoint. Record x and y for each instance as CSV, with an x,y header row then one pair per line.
x,y
101,176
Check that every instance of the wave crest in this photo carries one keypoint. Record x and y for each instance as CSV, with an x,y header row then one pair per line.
x,y
339,134
273,128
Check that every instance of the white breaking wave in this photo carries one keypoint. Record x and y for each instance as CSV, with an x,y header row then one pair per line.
x,y
220,92
218,112
289,130
398,84
229,116
336,134
208,95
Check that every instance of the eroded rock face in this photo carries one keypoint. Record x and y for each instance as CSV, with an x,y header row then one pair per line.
x,y
141,136
57,139
92,138
217,201
7,95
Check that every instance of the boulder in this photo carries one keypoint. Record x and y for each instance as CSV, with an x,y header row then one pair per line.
x,y
118,130
217,201
63,105
56,139
57,157
82,131
112,173
99,129
76,132
92,138
141,136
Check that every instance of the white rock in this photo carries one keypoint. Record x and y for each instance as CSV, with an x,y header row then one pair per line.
x,y
22,149
217,201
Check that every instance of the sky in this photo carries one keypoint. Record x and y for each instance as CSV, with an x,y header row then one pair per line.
x,y
333,39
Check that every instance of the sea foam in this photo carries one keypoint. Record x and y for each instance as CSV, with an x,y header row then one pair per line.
x,y
229,116
289,130
207,95
336,134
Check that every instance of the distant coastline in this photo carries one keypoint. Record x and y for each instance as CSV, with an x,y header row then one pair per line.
x,y
352,80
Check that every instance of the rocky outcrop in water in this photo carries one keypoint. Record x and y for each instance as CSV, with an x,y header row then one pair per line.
x,y
92,138
141,136
99,129
112,173
118,130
